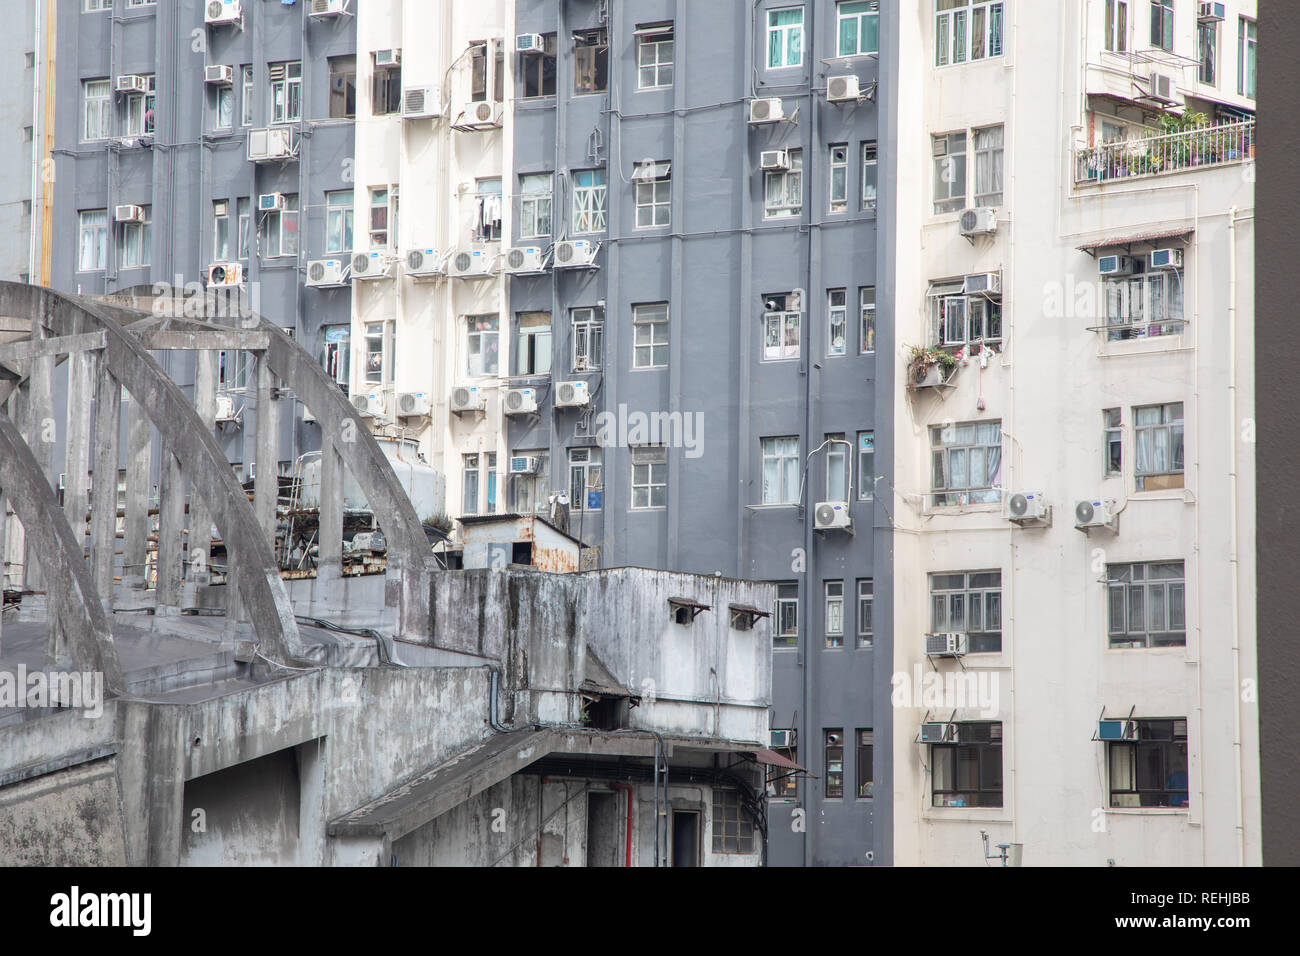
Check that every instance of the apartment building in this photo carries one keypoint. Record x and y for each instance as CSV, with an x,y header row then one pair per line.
x,y
24,113
1073,459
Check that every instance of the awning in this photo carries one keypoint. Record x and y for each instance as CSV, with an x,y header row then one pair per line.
x,y
1131,239
774,759
746,609
650,171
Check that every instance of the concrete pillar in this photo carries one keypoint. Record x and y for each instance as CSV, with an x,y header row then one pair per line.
x,y
151,774
266,487
103,525
136,548
329,563
77,446
200,524
171,523
40,438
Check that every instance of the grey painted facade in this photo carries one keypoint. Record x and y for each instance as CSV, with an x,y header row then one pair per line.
x,y
714,265
22,54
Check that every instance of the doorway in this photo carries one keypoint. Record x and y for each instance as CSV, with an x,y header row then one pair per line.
x,y
686,838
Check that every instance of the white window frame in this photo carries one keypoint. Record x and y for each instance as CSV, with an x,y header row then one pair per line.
x,y
336,355
954,31
487,209
988,144
655,49
649,477
1112,427
1139,592
471,475
96,110
97,6
951,607
1146,305
785,620
866,452
654,194
282,241
870,174
533,344
244,221
950,168
589,201
1118,24
649,335
220,94
951,449
526,494
247,103
535,206
791,37
1247,57
381,201
781,453
339,220
587,325
866,319
1147,442
778,330
837,317
482,332
833,613
378,343
135,242
234,367
837,468
867,601
284,86
862,11
92,236
586,471
221,230
837,181
138,117
786,187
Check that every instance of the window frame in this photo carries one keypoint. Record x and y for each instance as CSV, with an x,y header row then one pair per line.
x,y
837,181
654,38
974,588
1152,738
534,70
782,457
1112,442
649,476
653,193
483,330
97,232
949,50
248,102
1175,447
1135,586
221,221
833,766
837,314
946,171
870,174
590,79
736,834
531,205
952,753
1115,39
385,88
1207,41
866,490
531,352
342,86
866,328
864,740
377,342
102,106
340,213
1162,25
280,230
785,616
651,317
994,170
590,202
585,461
791,43
587,338
789,183
859,18
1247,57
866,612
284,91
966,493
833,613
134,242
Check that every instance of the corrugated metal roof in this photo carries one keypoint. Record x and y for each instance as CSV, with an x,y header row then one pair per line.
x,y
1132,238
774,759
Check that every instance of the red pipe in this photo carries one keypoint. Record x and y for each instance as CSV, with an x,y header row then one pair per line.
x,y
627,861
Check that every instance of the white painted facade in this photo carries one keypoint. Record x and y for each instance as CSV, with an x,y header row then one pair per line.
x,y
1045,391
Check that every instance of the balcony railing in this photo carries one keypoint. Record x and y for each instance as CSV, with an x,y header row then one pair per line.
x,y
1157,155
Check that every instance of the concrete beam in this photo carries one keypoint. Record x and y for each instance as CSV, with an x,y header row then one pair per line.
x,y
103,511
135,551
27,349
161,339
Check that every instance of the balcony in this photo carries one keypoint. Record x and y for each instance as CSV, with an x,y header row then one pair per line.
x,y
1200,147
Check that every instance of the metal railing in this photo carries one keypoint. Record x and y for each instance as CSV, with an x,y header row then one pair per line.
x,y
1160,154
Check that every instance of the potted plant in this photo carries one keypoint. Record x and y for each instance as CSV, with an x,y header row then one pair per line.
x,y
922,359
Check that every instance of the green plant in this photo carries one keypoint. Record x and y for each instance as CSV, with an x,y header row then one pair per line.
x,y
921,358
440,521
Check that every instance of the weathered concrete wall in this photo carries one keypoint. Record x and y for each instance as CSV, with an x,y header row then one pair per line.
x,y
68,818
246,815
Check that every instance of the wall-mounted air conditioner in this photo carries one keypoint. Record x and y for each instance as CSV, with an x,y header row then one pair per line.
x,y
521,401
270,202
388,57
132,83
1166,258
774,160
484,114
947,644
937,733
988,283
369,404
1210,12
524,259
325,273
832,515
1096,513
216,12
572,395
980,221
843,89
575,254
528,43
422,102
424,264
270,143
413,405
1117,265
467,398
128,213
370,265
220,74
525,465
470,264
765,110
1162,88
1028,508
225,408
1109,728
225,274
782,738
327,8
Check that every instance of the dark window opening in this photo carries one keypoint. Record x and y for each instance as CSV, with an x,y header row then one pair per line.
x,y
605,713
387,90
1151,770
590,62
343,87
968,772
522,552
539,69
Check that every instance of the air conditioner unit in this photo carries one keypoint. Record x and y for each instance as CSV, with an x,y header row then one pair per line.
x,y
528,43
220,74
467,398
1116,265
575,254
225,408
572,395
369,405
424,263
525,465
782,738
947,645
128,213
1210,12
766,110
830,515
843,89
370,265
1027,507
932,377
469,264
1162,88
774,159
270,202
980,221
270,143
484,113
422,102
324,273
222,11
990,283
327,8
937,733
413,405
388,57
131,83
1166,258
524,259
1112,729
521,401
225,274
1095,513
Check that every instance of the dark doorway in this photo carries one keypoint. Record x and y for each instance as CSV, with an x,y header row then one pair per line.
x,y
686,838
603,846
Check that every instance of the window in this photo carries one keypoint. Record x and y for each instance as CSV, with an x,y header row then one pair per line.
x,y
1246,57
533,344
338,221
968,772
1146,604
649,476
336,354
733,830
139,109
836,322
535,206
586,479
654,56
487,210
949,172
221,230
1158,446
1151,769
590,62
782,470
478,71
526,494
837,467
482,342
858,26
1162,24
1207,36
223,107
839,178
988,166
539,69
92,240
834,762
866,605
246,96
1144,305
233,368
867,324
1117,26
866,741
589,201
245,219
958,319
280,229
1114,440
783,188
379,231
134,241
787,616
650,335
782,782
967,462
834,613
869,166
588,337
866,465
784,38
970,603
966,30
343,87
94,6
97,98
385,89
469,484
379,350
654,193
285,84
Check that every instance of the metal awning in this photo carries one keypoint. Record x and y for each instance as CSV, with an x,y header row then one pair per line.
x,y
751,611
1134,238
774,759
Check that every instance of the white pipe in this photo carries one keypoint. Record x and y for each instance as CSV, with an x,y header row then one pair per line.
x,y
1232,528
